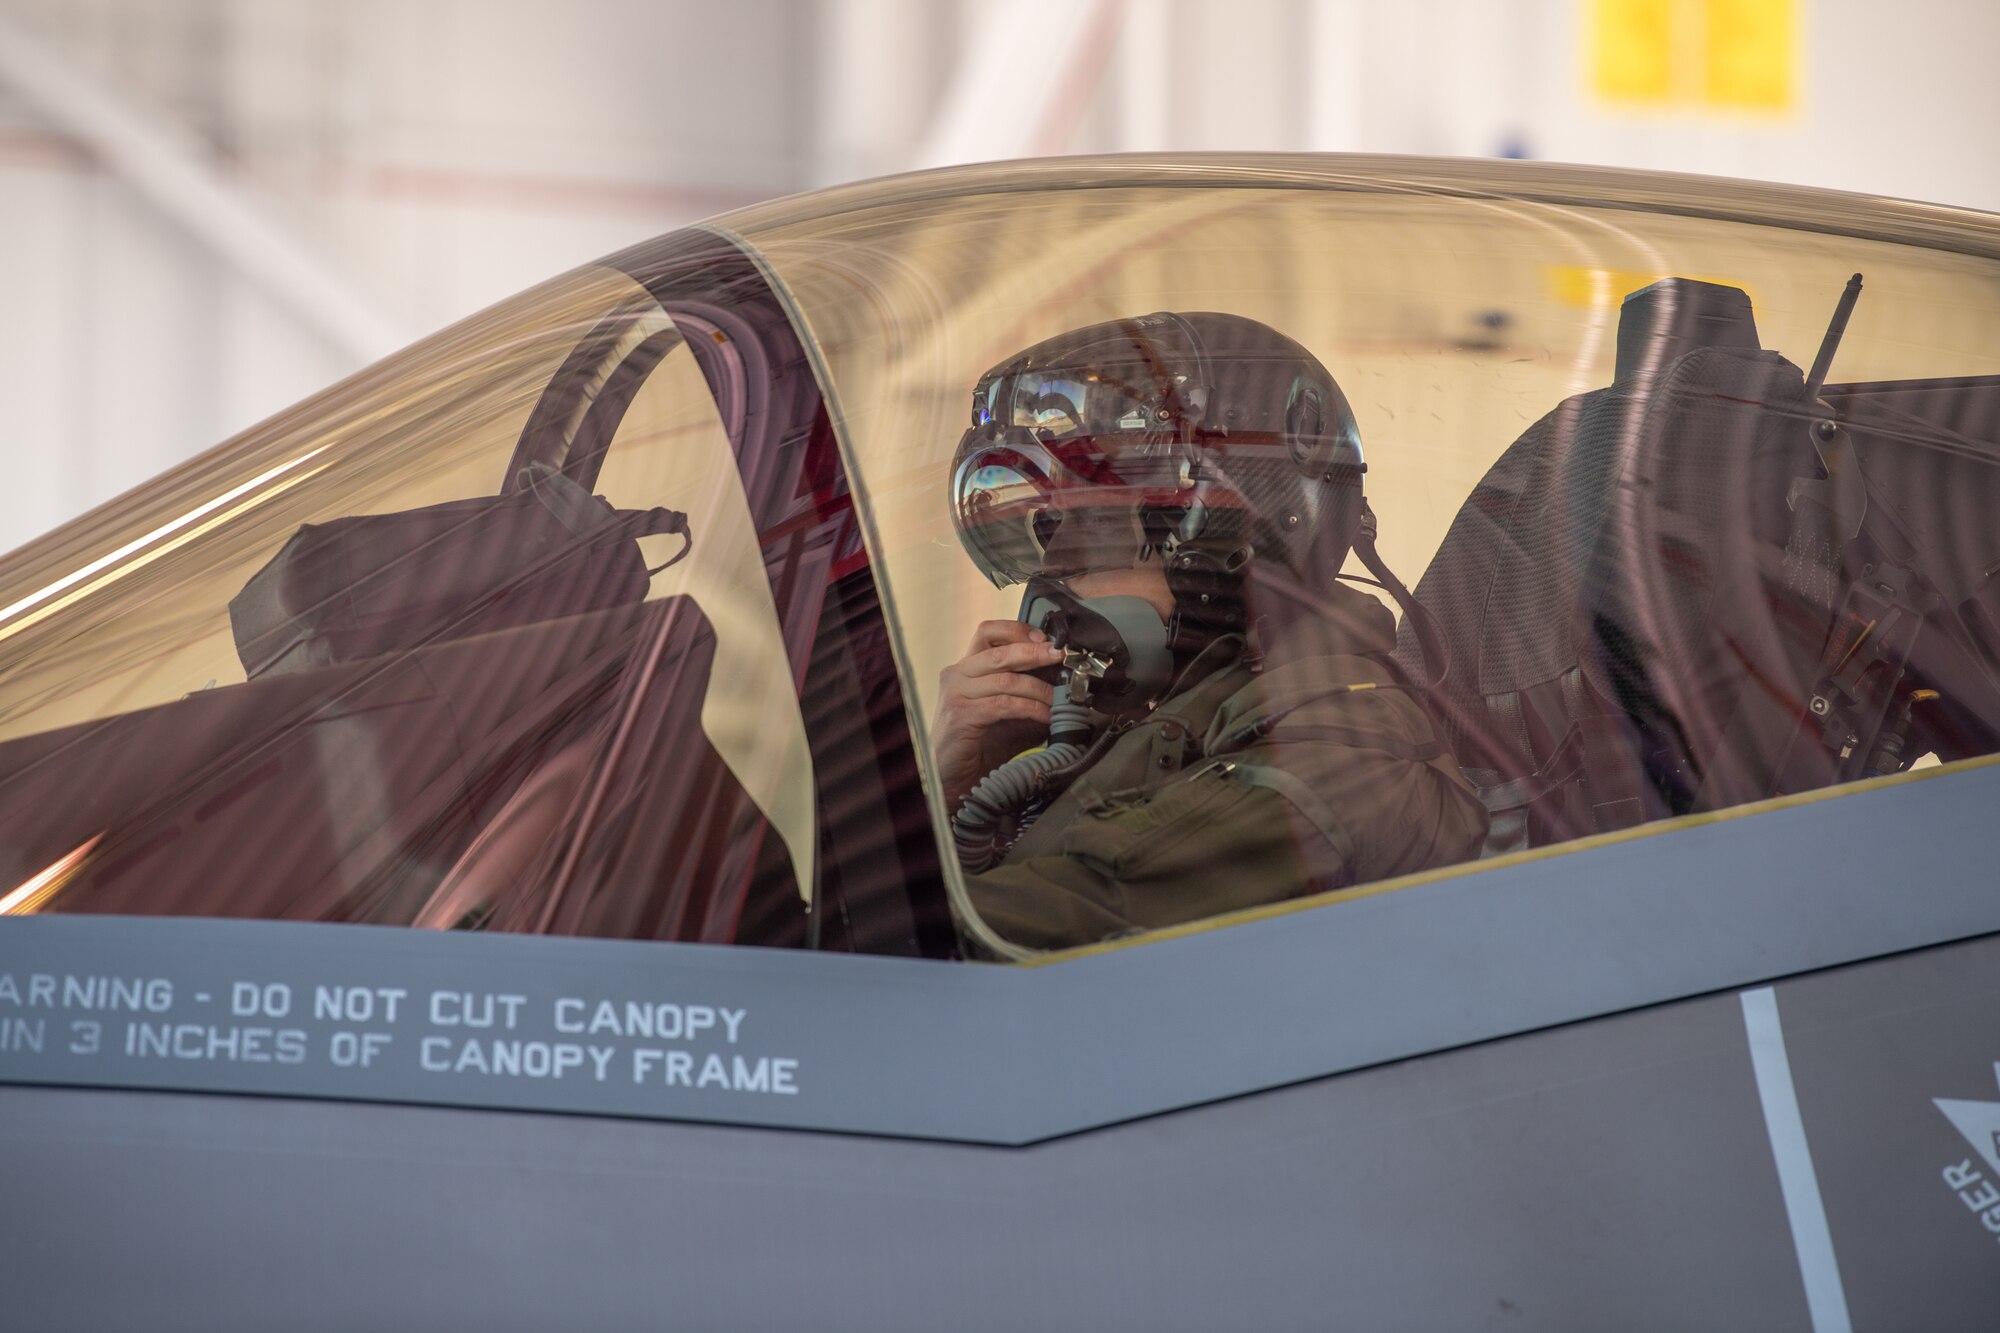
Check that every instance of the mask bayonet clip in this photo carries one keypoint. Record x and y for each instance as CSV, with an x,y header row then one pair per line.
x,y
1081,670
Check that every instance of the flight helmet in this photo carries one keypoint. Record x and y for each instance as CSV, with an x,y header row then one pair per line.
x,y
1210,442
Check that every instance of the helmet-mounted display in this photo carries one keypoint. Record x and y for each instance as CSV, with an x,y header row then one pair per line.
x,y
1207,441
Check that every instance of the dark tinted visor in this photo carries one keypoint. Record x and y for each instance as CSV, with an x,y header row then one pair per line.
x,y
1023,505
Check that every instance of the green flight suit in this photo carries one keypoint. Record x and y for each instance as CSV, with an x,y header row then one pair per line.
x,y
1185,816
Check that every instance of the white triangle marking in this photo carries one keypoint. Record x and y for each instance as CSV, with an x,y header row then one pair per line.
x,y
1979,1122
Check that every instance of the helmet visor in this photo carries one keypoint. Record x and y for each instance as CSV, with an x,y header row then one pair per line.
x,y
1025,505
1061,405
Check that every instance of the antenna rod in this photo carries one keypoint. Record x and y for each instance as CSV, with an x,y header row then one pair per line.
x,y
1841,312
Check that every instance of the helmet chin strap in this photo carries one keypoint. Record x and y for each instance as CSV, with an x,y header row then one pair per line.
x,y
1437,658
1188,638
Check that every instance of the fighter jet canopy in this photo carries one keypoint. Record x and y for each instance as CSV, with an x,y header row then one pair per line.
x,y
619,608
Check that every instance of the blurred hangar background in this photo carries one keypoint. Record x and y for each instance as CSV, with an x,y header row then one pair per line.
x,y
211,208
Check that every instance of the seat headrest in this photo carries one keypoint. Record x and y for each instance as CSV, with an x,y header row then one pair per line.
x,y
1665,320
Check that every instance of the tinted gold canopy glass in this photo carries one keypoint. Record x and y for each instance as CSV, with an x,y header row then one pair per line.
x,y
1673,547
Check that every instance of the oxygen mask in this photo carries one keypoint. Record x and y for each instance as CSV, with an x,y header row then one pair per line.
x,y
1116,660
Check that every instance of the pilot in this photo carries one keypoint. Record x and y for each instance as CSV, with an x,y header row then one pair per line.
x,y
1190,716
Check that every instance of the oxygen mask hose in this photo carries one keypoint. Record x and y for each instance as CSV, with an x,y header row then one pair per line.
x,y
1115,662
1020,788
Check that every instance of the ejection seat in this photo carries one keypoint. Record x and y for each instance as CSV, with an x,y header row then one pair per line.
x,y
1636,598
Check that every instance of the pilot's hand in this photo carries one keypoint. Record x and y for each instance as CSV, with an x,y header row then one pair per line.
x,y
989,708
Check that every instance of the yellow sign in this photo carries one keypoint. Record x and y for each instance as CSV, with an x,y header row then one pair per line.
x,y
1717,55
1752,55
1631,49
1581,285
